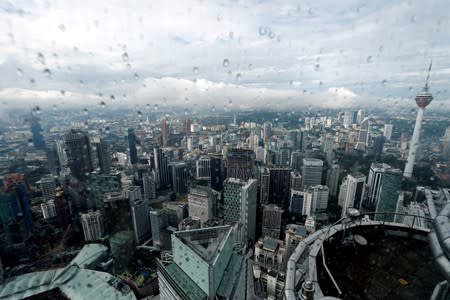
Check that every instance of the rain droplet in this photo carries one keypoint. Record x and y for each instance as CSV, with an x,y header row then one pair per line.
x,y
85,111
369,59
250,67
139,114
63,92
186,111
147,106
226,62
262,30
230,102
112,97
125,56
213,108
229,73
317,67
156,107
195,70
384,82
19,72
32,80
271,35
102,104
107,130
136,76
231,35
48,73
291,82
41,58
238,76
62,27
37,109
54,106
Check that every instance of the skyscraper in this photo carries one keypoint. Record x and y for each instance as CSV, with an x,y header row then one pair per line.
x,y
279,185
78,153
271,225
374,182
352,191
387,132
217,169
422,100
48,187
240,163
202,203
92,223
149,185
180,174
264,185
390,187
165,131
240,207
161,168
311,172
100,155
36,130
333,179
132,146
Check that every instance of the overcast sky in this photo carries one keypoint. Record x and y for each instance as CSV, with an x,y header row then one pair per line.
x,y
233,55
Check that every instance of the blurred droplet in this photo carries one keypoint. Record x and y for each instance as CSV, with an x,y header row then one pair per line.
x,y
102,104
139,113
384,82
262,30
230,102
48,73
107,130
229,73
291,82
54,106
271,35
112,97
19,72
32,80
147,106
238,76
156,107
195,70
369,59
125,57
136,76
250,67
213,108
226,62
62,27
85,111
231,35
63,92
185,112
41,58
317,67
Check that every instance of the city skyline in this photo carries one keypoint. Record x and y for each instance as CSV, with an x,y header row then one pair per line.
x,y
285,54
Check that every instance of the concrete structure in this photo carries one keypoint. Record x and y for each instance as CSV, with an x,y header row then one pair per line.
x,y
203,168
240,164
149,185
374,181
352,192
316,199
78,153
271,225
92,223
311,172
240,207
202,203
48,209
180,176
48,187
333,179
422,100
387,132
203,266
264,185
140,220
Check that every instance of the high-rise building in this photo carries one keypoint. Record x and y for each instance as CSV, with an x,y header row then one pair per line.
x,y
48,209
63,207
271,225
78,153
279,185
374,182
296,161
159,223
100,155
132,146
118,224
333,179
267,132
422,100
100,184
390,188
48,187
187,126
296,181
297,202
387,132
217,168
311,172
378,145
240,164
62,155
240,207
92,224
284,155
180,174
161,168
202,266
36,130
352,191
140,219
264,185
149,185
165,131
202,203
203,168
316,199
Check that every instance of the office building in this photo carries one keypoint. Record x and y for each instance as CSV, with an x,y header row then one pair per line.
x,y
333,179
78,152
267,131
159,223
311,172
352,192
161,168
374,182
165,131
204,266
140,219
101,158
389,194
202,203
132,146
296,181
149,185
240,207
240,164
316,199
387,132
297,202
217,168
48,209
271,225
280,185
92,224
180,174
264,185
203,168
100,184
48,187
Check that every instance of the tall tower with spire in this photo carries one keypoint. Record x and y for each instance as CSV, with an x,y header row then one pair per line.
x,y
422,100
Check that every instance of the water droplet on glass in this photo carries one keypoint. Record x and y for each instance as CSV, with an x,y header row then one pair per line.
x,y
41,58
54,106
107,130
195,70
369,59
37,109
125,56
238,76
136,76
19,72
62,27
85,111
139,114
185,111
262,30
155,106
226,62
271,35
229,73
48,73
230,102
291,82
213,108
63,92
147,106
32,80
317,67
231,35
384,82
102,104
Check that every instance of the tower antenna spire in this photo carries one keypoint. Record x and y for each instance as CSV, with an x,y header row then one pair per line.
x,y
428,76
